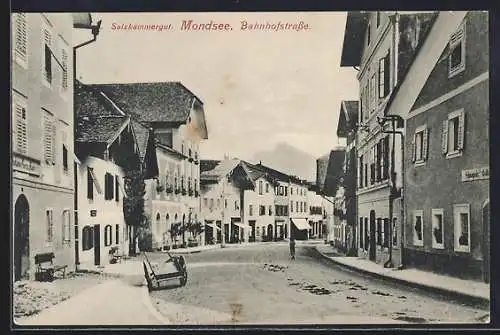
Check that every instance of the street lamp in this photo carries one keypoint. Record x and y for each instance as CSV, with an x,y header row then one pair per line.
x,y
396,122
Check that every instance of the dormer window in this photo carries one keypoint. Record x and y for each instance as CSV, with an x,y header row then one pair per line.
x,y
456,58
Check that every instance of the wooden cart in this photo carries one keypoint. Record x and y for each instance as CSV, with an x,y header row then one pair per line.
x,y
158,274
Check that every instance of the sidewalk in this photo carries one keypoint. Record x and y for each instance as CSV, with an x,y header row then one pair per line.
x,y
123,301
471,290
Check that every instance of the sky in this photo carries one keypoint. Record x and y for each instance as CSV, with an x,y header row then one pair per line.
x,y
259,88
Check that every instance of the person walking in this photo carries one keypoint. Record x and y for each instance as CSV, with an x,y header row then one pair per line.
x,y
292,248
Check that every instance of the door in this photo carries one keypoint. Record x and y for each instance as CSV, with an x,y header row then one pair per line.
x,y
486,242
97,244
252,232
21,238
373,251
270,232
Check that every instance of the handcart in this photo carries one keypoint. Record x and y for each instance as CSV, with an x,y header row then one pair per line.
x,y
158,274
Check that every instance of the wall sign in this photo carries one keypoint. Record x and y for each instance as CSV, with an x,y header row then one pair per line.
x,y
25,164
93,212
476,174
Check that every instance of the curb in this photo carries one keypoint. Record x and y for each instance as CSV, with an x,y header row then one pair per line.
x,y
462,297
146,300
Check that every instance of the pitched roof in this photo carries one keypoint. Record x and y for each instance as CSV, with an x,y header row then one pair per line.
x,y
347,117
253,171
208,164
99,129
220,170
142,137
152,102
274,173
354,36
330,171
89,102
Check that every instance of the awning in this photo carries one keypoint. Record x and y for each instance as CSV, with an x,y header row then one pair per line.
x,y
301,224
212,225
239,224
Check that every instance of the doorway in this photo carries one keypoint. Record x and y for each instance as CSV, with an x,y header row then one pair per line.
x,y
97,244
486,242
373,251
21,238
252,231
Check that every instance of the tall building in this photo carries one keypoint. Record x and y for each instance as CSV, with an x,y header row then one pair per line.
x,y
42,139
381,46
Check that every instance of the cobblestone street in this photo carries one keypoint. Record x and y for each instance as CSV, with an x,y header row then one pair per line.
x,y
260,285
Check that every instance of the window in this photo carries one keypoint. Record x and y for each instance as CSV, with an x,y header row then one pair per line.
x,y
250,210
418,228
218,203
297,206
461,219
87,238
270,210
90,183
373,92
378,19
108,186
456,58
211,203
21,39
361,235
291,206
385,158
262,210
64,63
453,136
386,233
267,187
379,231
108,235
384,76
66,227
236,205
437,229
64,152
205,202
420,144
361,171
20,124
49,220
395,232
117,188
117,234
49,138
291,190
47,52
286,191
361,105
260,187
225,203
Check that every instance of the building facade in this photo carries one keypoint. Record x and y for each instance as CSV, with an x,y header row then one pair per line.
x,y
347,128
382,45
177,119
447,165
315,214
42,140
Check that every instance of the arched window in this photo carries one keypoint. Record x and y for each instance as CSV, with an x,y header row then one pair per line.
x,y
175,218
87,238
108,235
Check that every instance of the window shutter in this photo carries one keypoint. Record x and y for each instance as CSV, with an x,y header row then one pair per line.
x,y
425,143
387,73
64,61
461,130
20,129
381,77
444,138
47,138
54,142
414,149
21,36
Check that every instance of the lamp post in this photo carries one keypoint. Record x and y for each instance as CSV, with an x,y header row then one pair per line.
x,y
395,120
80,21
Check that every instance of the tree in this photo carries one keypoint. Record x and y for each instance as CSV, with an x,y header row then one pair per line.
x,y
195,228
133,206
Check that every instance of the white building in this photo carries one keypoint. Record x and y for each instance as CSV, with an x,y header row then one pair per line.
x,y
315,215
107,147
177,118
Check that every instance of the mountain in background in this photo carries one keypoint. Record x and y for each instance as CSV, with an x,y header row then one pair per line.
x,y
288,159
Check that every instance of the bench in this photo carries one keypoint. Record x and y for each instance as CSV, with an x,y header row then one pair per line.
x,y
45,267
